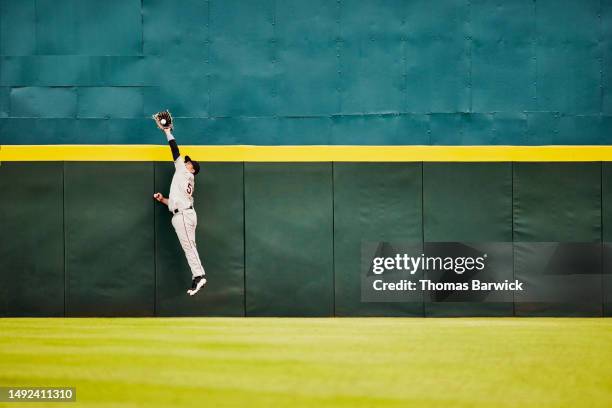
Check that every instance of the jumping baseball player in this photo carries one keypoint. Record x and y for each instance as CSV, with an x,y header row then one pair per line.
x,y
180,203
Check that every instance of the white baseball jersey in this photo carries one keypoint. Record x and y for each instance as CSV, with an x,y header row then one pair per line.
x,y
181,189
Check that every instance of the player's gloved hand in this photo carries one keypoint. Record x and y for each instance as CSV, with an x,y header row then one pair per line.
x,y
164,121
158,196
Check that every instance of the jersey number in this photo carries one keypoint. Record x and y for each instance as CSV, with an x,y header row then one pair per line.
x,y
189,188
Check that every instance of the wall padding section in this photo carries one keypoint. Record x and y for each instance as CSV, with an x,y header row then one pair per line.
x,y
243,54
109,239
568,48
373,202
606,184
308,81
219,206
470,204
469,70
558,203
107,102
43,102
4,101
606,26
31,239
17,27
437,56
289,239
372,60
83,27
503,55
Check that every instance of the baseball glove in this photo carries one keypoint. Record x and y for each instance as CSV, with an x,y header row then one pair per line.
x,y
163,120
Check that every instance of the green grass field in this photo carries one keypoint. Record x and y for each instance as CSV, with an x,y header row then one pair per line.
x,y
375,362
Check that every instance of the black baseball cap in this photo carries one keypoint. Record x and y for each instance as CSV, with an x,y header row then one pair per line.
x,y
195,164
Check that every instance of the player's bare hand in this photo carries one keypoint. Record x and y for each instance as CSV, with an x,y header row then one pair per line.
x,y
158,196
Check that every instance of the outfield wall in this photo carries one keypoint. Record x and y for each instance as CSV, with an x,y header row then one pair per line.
x,y
283,239
523,87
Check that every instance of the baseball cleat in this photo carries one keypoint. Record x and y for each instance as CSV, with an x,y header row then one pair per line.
x,y
196,285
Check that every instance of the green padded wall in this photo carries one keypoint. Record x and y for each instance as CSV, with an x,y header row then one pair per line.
x,y
31,239
289,239
373,202
606,206
109,236
220,239
470,203
557,202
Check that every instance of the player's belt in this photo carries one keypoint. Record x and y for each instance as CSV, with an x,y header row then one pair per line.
x,y
178,211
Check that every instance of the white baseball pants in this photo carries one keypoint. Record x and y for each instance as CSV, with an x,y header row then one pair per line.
x,y
184,224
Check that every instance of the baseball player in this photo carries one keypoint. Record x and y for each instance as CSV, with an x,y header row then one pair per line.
x,y
180,204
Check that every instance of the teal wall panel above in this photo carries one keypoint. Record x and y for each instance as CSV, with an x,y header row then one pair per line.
x,y
450,72
499,128
437,56
184,87
87,27
371,56
568,56
4,101
17,27
39,131
503,55
78,70
117,102
43,102
180,29
307,51
243,57
606,62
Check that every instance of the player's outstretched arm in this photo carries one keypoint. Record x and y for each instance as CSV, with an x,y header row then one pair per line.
x,y
160,198
173,146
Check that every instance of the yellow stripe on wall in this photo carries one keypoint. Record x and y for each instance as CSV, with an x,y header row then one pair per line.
x,y
307,153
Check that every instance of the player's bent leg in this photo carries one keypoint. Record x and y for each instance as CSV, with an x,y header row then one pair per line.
x,y
185,231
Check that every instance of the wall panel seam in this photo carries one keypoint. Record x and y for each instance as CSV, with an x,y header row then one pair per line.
x,y
512,232
601,234
333,208
154,165
423,224
244,249
66,283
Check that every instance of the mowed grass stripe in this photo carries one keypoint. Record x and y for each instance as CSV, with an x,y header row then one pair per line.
x,y
314,362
